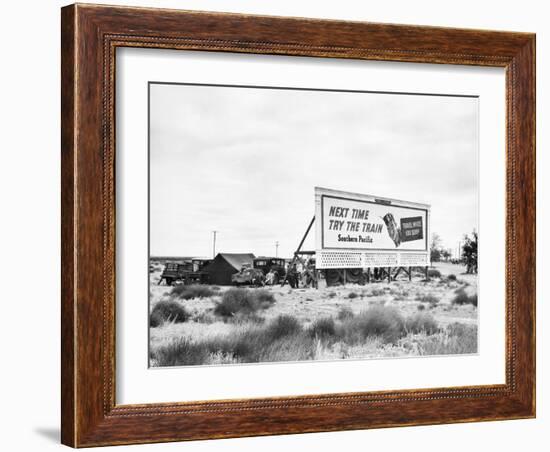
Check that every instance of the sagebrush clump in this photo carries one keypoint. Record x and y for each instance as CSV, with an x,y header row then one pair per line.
x,y
181,352
184,292
456,339
323,328
427,298
421,322
283,325
243,301
462,298
168,311
434,273
345,313
382,321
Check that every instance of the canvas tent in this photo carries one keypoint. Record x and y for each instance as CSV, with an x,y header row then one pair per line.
x,y
226,264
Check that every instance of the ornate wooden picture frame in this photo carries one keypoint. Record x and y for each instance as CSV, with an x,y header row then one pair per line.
x,y
90,37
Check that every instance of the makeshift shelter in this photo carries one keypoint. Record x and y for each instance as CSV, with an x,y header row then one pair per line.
x,y
226,264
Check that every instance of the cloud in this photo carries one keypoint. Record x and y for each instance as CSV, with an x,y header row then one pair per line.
x,y
244,161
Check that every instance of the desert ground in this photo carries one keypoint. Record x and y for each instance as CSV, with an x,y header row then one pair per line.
x,y
212,325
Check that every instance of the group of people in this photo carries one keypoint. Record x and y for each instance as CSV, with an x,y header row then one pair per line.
x,y
304,277
297,276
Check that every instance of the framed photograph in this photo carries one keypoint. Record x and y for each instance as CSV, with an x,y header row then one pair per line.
x,y
281,225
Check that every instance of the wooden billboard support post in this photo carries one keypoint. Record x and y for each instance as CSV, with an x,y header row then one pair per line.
x,y
298,253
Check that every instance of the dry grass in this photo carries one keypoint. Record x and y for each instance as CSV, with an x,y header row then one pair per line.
x,y
275,324
368,334
324,327
283,325
345,313
421,322
457,339
381,321
184,292
427,298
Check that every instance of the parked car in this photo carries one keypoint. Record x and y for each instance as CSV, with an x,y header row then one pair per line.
x,y
248,276
274,264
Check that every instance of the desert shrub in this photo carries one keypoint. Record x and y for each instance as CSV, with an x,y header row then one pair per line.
x,y
243,302
434,273
283,325
381,321
451,277
168,311
271,342
427,298
323,328
399,294
457,339
205,317
376,292
420,307
421,322
462,298
332,294
180,352
245,318
244,345
184,292
297,347
352,295
345,313
264,297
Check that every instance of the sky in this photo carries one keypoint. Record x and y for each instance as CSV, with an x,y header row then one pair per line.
x,y
244,161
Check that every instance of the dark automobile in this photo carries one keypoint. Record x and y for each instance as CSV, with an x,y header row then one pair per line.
x,y
248,276
274,264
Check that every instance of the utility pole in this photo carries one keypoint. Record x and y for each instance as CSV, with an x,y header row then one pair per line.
x,y
277,248
214,243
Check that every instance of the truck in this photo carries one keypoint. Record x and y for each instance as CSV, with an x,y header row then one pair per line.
x,y
188,272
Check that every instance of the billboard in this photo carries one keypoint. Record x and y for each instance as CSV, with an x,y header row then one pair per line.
x,y
359,230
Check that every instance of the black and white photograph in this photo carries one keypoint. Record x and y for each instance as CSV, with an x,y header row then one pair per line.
x,y
292,224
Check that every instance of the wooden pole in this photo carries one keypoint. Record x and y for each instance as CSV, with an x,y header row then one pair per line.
x,y
410,274
305,235
298,249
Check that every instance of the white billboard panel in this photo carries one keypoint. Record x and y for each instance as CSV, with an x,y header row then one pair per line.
x,y
358,230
